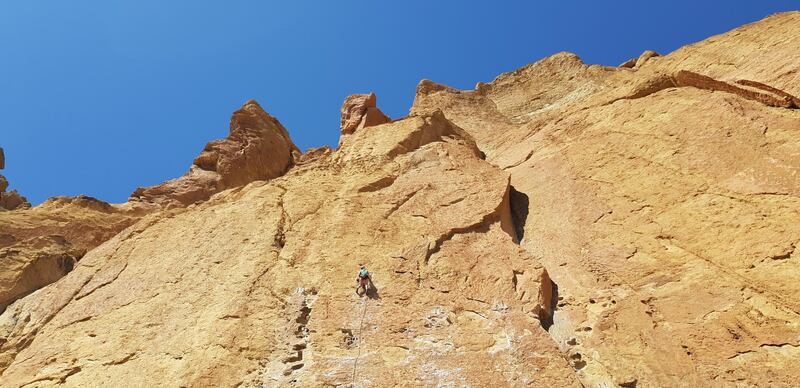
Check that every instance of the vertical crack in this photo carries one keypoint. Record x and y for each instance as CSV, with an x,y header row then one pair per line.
x,y
519,202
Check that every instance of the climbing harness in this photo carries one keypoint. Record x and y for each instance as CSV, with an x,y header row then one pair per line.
x,y
360,327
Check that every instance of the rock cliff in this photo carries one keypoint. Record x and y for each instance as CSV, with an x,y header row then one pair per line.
x,y
662,202
562,225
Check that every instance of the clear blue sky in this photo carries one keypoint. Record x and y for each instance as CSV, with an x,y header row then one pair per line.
x,y
99,97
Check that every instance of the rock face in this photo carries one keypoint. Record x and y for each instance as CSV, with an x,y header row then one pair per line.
x,y
9,200
662,203
361,111
256,285
41,245
257,148
563,225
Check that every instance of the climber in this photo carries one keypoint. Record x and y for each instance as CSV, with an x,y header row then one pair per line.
x,y
363,280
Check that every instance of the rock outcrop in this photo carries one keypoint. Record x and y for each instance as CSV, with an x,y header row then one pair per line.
x,y
750,90
636,63
257,148
563,225
361,111
41,245
9,200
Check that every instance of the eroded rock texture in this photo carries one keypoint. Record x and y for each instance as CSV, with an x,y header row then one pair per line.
x,y
663,202
257,148
40,245
256,286
563,225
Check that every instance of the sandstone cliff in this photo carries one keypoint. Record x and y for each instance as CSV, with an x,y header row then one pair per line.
x,y
563,225
662,200
255,286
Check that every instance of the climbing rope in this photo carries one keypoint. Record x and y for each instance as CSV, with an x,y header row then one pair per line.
x,y
360,326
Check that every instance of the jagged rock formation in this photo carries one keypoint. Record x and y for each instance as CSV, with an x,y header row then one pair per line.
x,y
361,111
661,198
9,200
257,148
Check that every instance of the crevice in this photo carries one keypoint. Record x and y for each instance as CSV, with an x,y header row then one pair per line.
x,y
546,318
514,280
279,240
647,87
746,89
380,184
84,294
520,204
785,254
479,227
402,202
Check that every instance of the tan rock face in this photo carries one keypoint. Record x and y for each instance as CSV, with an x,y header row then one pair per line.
x,y
40,245
662,199
257,148
361,111
662,205
32,264
256,286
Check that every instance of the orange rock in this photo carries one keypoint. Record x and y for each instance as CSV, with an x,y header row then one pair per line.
x,y
257,148
565,224
360,111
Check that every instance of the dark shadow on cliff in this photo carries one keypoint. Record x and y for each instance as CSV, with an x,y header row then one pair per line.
x,y
519,212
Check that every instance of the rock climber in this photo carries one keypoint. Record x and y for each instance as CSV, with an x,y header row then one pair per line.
x,y
364,280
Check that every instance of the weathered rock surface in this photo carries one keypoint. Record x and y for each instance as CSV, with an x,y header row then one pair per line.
x,y
663,204
40,245
32,264
662,199
256,285
257,148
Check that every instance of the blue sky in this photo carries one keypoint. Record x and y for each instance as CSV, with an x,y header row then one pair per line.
x,y
100,97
